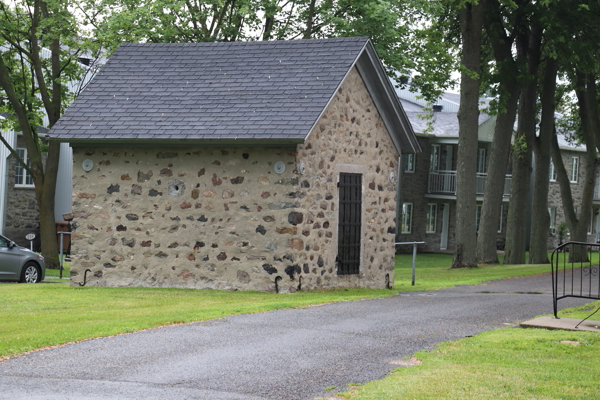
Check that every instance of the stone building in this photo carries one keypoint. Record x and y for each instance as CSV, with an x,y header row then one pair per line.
x,y
427,203
255,166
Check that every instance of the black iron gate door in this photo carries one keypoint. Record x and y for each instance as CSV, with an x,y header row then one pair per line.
x,y
349,223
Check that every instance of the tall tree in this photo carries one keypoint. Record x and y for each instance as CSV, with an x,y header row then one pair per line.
x,y
388,23
578,216
35,85
471,16
540,220
530,42
501,30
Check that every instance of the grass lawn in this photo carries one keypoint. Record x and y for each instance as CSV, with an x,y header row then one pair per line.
x,y
50,273
55,313
508,363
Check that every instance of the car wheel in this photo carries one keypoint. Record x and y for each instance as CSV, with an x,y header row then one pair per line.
x,y
30,273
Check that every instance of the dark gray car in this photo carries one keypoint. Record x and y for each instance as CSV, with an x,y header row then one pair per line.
x,y
19,263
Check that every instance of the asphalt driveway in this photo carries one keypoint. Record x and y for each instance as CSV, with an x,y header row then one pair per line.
x,y
287,354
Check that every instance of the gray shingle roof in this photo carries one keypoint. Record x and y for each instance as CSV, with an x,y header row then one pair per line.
x,y
239,90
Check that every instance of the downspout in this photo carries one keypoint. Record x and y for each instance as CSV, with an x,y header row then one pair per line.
x,y
398,199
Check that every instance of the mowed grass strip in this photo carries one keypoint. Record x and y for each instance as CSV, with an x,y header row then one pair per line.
x,y
508,363
41,315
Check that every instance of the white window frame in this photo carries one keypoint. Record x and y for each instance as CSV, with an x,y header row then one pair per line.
x,y
409,166
21,174
407,209
574,169
478,216
552,174
501,218
552,212
429,226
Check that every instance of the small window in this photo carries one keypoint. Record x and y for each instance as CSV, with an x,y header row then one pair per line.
x,y
23,178
591,226
431,218
409,163
406,226
480,161
552,172
434,162
501,218
575,169
478,216
552,212
3,242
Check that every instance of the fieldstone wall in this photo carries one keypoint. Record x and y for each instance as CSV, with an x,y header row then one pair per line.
x,y
349,137
22,215
222,218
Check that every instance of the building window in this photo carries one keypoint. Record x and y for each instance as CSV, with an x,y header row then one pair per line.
x,y
552,172
23,178
434,162
478,216
575,169
591,227
552,212
431,218
409,163
480,161
501,218
406,226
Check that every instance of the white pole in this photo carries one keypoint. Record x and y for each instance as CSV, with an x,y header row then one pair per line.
x,y
414,275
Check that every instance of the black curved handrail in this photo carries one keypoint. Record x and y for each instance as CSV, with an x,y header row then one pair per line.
x,y
578,276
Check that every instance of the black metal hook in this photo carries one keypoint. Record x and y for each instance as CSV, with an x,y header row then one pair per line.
x,y
85,277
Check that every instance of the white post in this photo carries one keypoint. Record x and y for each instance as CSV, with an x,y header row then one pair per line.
x,y
414,274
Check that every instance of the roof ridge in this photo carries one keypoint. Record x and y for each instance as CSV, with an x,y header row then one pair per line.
x,y
249,42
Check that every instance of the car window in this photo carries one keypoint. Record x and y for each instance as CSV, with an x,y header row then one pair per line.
x,y
3,242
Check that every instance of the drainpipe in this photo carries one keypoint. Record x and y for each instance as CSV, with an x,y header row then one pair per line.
x,y
398,196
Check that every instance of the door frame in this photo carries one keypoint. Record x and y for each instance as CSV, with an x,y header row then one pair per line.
x,y
352,169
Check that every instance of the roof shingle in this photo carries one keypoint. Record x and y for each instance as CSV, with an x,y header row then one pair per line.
x,y
219,90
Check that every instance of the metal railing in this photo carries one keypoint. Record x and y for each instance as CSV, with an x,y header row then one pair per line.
x,y
444,182
575,272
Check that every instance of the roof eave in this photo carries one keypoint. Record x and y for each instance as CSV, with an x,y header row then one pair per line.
x,y
96,142
384,96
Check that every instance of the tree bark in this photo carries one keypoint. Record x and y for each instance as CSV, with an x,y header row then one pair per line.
x,y
44,176
471,22
499,154
516,230
540,220
309,20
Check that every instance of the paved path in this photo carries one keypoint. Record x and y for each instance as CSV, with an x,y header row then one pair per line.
x,y
287,354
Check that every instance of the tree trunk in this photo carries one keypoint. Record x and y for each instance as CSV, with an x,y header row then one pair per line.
x,y
516,231
509,89
471,21
540,220
494,184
